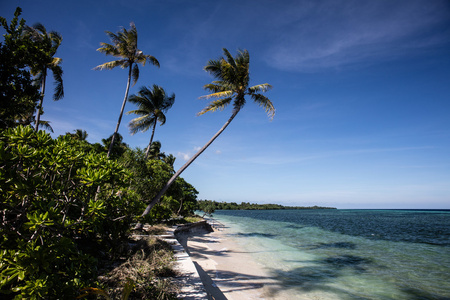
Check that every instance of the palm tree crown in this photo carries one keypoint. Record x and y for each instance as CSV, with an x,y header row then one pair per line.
x,y
233,79
233,76
49,43
124,46
152,105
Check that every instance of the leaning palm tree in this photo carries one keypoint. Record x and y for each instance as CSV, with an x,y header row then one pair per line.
x,y
124,46
48,43
231,86
152,104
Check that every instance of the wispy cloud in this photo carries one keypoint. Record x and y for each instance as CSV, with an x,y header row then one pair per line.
x,y
299,158
338,33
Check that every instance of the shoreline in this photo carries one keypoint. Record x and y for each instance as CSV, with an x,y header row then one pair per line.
x,y
226,270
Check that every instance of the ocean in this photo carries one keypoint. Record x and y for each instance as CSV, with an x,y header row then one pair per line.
x,y
348,254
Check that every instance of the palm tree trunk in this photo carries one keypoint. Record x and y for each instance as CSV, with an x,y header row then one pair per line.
x,y
121,112
178,173
151,140
38,114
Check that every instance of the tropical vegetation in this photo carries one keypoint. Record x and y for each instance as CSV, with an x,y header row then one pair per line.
x,y
19,95
152,105
124,46
68,207
49,43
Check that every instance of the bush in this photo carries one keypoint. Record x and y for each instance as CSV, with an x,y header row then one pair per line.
x,y
53,221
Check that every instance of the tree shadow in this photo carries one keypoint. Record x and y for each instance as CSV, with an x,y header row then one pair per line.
x,y
356,263
338,245
253,234
294,226
213,291
322,274
416,294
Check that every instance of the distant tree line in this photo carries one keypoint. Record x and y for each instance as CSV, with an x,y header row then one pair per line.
x,y
210,206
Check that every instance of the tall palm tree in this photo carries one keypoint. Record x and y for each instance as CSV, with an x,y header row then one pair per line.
x,y
124,47
48,43
152,104
231,86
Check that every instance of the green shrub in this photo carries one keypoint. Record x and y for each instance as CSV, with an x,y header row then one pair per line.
x,y
54,224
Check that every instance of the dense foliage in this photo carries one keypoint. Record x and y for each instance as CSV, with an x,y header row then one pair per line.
x,y
18,94
56,228
53,224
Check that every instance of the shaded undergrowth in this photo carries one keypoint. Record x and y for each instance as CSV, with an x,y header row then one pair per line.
x,y
149,267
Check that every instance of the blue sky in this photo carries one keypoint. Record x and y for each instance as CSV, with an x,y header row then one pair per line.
x,y
361,88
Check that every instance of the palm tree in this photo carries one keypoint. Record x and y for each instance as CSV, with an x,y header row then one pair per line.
x,y
155,151
119,147
124,46
231,86
48,43
170,160
152,104
79,134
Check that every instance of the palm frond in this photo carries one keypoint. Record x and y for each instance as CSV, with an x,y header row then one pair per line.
x,y
135,73
243,57
151,59
230,59
39,31
46,125
265,103
109,49
260,88
161,117
57,77
56,39
214,67
56,61
113,37
216,105
218,95
111,65
215,87
170,100
139,112
140,124
140,101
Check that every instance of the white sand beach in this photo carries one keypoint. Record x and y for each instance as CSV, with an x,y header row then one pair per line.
x,y
227,271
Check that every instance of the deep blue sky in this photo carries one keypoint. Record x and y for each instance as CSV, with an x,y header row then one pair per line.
x,y
361,88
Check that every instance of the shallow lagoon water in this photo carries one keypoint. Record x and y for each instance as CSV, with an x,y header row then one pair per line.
x,y
348,254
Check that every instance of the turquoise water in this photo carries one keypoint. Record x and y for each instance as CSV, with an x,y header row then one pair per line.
x,y
348,254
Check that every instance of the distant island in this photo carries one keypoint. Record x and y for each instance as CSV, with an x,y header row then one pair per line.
x,y
211,206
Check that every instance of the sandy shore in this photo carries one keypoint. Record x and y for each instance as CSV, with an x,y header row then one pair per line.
x,y
227,272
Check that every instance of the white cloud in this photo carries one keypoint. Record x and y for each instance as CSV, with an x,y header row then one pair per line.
x,y
184,156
